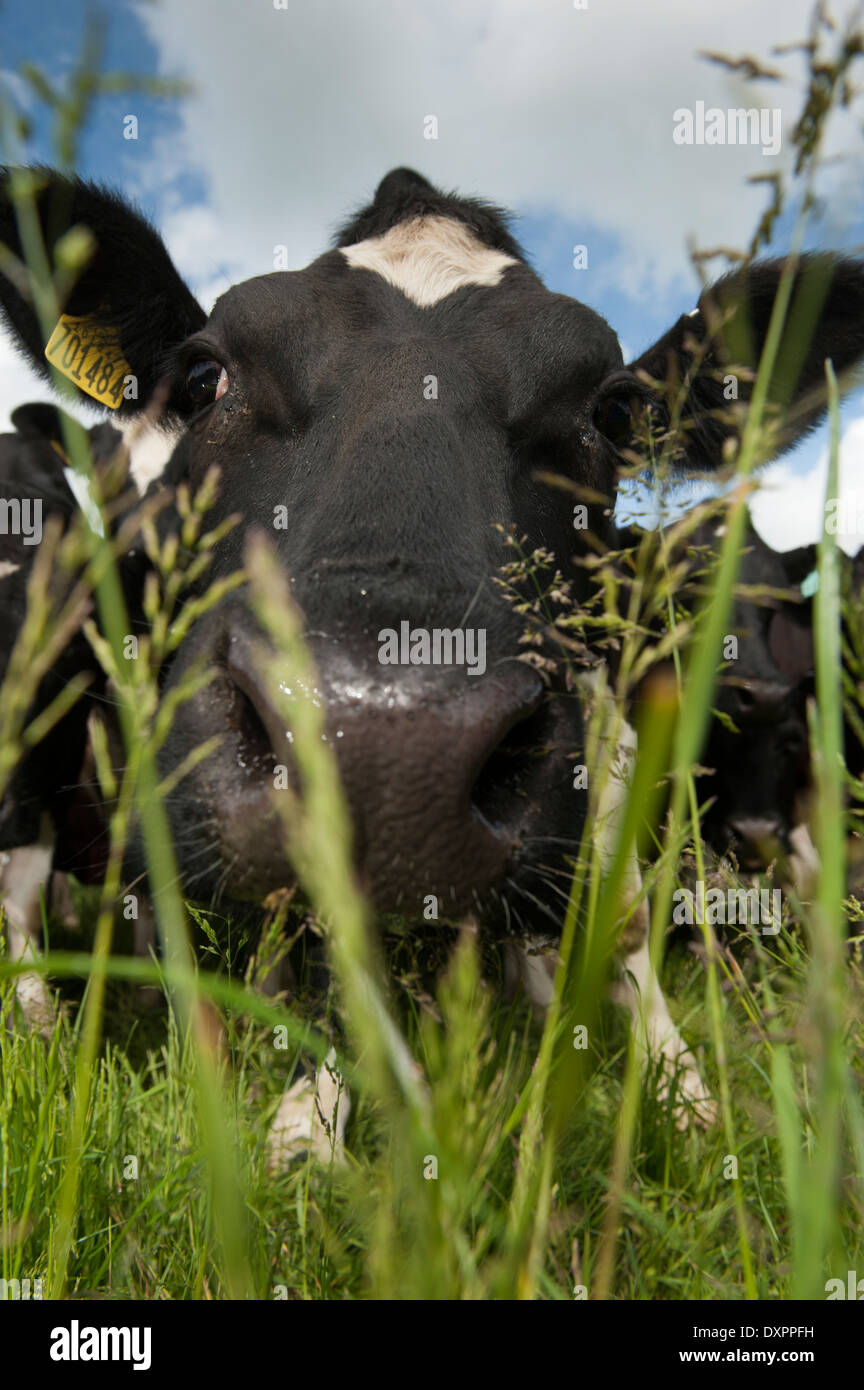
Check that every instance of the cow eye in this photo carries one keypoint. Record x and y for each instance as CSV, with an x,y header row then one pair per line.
x,y
206,381
613,417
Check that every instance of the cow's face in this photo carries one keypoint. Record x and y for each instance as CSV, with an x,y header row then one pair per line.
x,y
761,769
381,415
386,416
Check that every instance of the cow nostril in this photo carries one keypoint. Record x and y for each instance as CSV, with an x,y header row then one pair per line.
x,y
245,719
505,783
756,840
760,701
251,714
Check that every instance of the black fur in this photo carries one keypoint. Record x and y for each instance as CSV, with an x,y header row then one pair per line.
x,y
825,319
129,283
403,194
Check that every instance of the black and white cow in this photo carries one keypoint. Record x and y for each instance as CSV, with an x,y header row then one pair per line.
x,y
761,769
760,779
33,486
52,821
757,743
398,398
755,777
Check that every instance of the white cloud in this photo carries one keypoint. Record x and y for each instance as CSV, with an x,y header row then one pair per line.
x,y
787,510
542,107
297,113
18,382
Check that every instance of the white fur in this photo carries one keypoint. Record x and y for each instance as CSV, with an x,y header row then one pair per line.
x,y
149,447
538,975
311,1118
22,873
7,567
428,258
657,1037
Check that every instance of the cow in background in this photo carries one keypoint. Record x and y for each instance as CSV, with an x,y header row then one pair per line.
x,y
755,774
758,747
32,479
51,818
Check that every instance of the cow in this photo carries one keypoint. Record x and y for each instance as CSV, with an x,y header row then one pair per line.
x,y
756,781
51,819
32,479
759,783
758,747
390,415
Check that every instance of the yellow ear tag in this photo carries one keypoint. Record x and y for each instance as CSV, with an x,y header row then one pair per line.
x,y
89,354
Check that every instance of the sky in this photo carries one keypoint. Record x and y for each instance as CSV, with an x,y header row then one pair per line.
x,y
560,110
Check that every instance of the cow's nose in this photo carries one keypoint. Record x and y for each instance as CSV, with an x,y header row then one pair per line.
x,y
758,701
756,840
414,755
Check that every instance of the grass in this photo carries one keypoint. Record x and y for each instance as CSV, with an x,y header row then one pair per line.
x,y
314,1232
486,1156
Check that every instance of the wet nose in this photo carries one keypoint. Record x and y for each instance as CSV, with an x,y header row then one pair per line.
x,y
758,701
414,753
756,840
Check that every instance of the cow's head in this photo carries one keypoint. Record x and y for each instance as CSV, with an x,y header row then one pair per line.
x,y
393,404
758,746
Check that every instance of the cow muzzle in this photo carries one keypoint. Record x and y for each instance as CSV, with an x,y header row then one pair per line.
x,y
437,769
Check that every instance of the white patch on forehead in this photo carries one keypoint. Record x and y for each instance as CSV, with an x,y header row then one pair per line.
x,y
7,567
428,258
149,447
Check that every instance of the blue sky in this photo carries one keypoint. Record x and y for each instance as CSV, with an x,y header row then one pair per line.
x,y
563,115
50,34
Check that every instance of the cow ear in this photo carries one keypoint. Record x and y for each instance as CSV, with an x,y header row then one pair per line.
x,y
38,420
125,312
714,352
